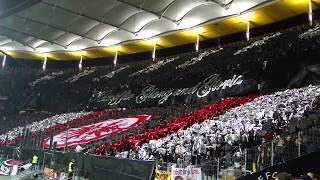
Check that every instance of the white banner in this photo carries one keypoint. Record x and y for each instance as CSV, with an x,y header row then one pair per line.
x,y
188,173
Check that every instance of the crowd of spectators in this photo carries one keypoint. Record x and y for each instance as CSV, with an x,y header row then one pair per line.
x,y
43,125
187,133
61,122
251,124
180,122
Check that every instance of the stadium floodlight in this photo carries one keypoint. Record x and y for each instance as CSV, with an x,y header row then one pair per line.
x,y
4,60
246,17
154,52
196,32
117,48
248,31
44,65
310,13
80,62
154,42
197,43
115,58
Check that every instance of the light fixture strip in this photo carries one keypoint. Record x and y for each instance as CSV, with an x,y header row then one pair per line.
x,y
80,63
248,31
115,58
44,65
310,13
197,43
154,52
4,60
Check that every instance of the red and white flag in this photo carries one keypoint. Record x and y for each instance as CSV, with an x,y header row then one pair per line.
x,y
94,132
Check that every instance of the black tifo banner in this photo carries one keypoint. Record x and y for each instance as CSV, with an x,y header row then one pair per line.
x,y
297,73
211,88
94,167
296,167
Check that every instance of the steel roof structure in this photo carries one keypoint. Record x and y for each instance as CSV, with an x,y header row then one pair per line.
x,y
62,29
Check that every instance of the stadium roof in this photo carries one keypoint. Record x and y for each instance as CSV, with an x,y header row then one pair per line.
x,y
67,29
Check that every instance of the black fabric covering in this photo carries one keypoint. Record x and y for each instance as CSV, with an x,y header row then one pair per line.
x,y
91,166
296,167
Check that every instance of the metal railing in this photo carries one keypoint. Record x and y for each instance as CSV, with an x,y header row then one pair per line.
x,y
233,164
257,158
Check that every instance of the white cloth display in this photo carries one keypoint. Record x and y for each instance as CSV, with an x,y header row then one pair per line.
x,y
235,124
42,125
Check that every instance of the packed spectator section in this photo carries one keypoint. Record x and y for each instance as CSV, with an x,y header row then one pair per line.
x,y
202,106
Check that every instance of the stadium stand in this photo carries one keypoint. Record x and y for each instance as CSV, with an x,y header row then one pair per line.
x,y
240,106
